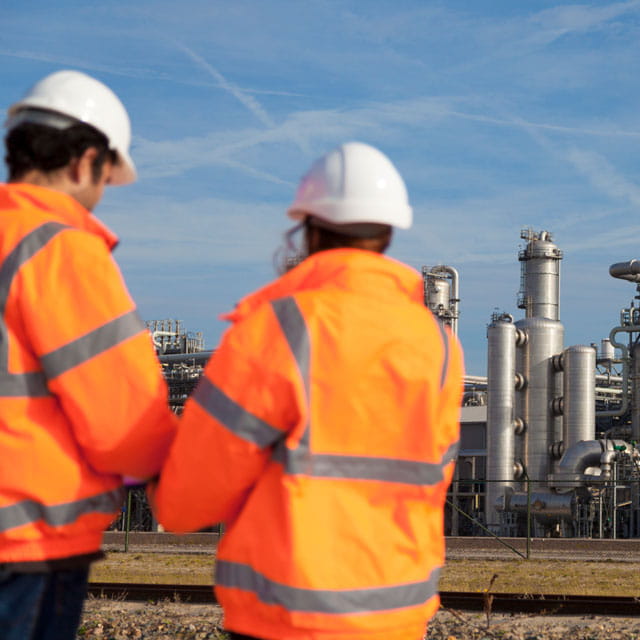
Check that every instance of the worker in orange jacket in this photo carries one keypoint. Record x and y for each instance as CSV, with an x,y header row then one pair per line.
x,y
82,398
325,428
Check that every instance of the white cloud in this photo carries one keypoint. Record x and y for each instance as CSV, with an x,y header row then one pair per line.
x,y
602,175
582,17
395,121
203,231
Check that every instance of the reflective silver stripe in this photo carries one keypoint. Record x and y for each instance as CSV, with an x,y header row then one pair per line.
x,y
23,251
451,455
29,511
234,417
23,385
31,384
339,601
368,468
91,344
294,329
445,360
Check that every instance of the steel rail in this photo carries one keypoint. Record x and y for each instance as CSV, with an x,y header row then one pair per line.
x,y
140,592
547,604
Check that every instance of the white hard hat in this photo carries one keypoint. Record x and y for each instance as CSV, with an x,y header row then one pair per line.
x,y
80,97
354,183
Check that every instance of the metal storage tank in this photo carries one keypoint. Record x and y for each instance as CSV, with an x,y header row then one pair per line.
x,y
543,505
607,352
579,391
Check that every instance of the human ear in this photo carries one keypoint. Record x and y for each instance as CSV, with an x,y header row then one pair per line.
x,y
82,167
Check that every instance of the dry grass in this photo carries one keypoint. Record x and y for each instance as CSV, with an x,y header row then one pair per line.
x,y
575,577
154,568
513,576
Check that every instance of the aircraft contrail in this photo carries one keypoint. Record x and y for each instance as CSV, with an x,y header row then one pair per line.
x,y
248,101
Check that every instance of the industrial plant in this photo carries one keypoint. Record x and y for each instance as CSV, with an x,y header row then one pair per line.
x,y
548,444
548,437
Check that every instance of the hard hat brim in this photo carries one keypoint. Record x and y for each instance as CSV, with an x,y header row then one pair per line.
x,y
124,171
354,213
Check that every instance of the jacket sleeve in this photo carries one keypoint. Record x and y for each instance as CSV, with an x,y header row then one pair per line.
x,y
97,355
245,402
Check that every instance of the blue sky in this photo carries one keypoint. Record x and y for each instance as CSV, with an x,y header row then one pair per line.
x,y
499,114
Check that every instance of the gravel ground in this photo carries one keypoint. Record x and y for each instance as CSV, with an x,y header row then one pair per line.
x,y
115,620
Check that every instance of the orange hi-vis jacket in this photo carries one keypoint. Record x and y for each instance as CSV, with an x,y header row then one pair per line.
x,y
324,433
82,398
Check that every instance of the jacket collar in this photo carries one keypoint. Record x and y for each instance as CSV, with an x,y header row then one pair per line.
x,y
65,208
348,269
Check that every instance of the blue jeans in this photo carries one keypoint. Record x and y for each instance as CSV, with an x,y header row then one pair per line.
x,y
41,606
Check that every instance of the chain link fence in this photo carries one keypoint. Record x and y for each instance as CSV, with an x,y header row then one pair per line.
x,y
527,510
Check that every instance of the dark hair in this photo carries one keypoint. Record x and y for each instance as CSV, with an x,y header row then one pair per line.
x,y
36,146
377,238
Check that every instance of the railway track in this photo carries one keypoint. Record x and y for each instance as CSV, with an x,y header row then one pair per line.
x,y
547,604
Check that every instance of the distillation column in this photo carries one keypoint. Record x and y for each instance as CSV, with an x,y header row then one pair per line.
x,y
539,293
544,339
441,294
539,296
501,381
